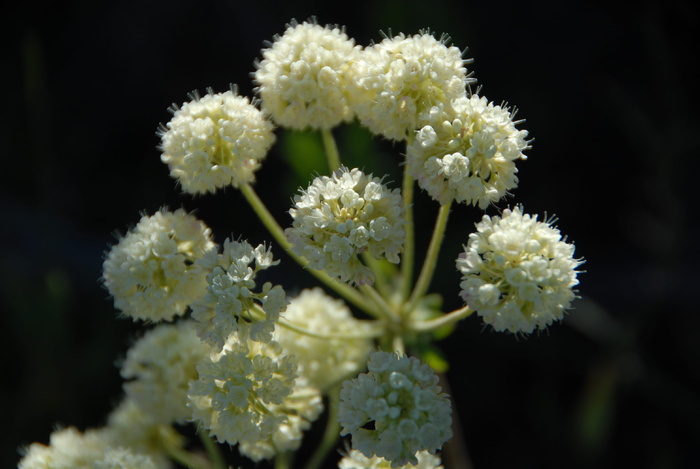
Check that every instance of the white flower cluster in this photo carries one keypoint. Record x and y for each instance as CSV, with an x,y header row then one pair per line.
x,y
215,141
249,394
230,301
131,426
399,79
302,77
159,367
339,217
130,441
152,272
395,409
356,460
517,273
467,153
323,362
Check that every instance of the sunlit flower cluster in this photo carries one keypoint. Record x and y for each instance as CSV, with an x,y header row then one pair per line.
x,y
215,141
339,217
152,272
517,273
467,152
400,78
302,77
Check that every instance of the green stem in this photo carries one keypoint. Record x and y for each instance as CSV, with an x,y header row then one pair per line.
x,y
331,433
283,460
374,330
398,345
386,311
213,450
408,257
275,229
331,150
428,268
380,280
449,318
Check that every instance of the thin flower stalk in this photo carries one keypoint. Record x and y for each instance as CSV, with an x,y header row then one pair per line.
x,y
431,257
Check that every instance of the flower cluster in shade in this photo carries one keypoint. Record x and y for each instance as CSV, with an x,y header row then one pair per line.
x,y
397,80
302,78
159,367
130,440
467,152
231,302
356,460
215,141
250,394
395,409
339,217
343,345
71,449
517,273
153,273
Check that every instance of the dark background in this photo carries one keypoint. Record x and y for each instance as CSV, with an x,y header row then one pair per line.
x,y
608,91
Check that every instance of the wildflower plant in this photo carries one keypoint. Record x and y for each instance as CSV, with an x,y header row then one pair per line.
x,y
252,366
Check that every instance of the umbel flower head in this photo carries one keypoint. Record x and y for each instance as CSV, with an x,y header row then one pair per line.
x,y
517,273
152,272
248,394
302,77
215,141
341,216
230,302
159,367
467,152
324,362
399,79
356,460
401,402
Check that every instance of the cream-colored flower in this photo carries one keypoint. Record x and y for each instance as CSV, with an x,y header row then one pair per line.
x,y
249,394
231,301
152,272
399,79
467,152
302,77
339,217
356,460
159,367
323,362
395,409
517,273
215,141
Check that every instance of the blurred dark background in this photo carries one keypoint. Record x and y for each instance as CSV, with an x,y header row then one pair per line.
x,y
608,91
